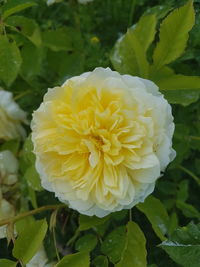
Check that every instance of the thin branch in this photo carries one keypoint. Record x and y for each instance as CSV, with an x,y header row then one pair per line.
x,y
29,213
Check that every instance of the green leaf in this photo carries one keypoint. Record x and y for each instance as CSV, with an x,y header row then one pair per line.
x,y
173,35
26,27
14,6
87,222
156,214
28,154
114,244
32,57
80,259
100,261
184,246
33,178
188,210
30,240
10,60
87,242
12,145
57,40
134,254
180,89
129,54
7,263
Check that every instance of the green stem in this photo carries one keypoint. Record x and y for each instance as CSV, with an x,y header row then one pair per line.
x,y
29,213
195,137
191,174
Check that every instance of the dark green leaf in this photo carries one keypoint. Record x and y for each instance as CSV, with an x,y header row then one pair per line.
x,y
10,60
100,261
114,244
87,242
156,214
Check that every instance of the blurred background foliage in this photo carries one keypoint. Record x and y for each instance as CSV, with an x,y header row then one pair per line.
x,y
40,47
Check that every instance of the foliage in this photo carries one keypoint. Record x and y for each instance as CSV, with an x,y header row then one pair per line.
x,y
40,47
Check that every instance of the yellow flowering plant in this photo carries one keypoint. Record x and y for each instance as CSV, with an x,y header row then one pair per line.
x,y
107,93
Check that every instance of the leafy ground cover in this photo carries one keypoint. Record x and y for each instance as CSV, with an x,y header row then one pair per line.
x,y
40,47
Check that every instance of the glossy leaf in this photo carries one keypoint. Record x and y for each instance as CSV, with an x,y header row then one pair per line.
x,y
156,214
134,254
100,261
33,178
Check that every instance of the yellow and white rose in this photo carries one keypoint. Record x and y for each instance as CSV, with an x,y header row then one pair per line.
x,y
102,140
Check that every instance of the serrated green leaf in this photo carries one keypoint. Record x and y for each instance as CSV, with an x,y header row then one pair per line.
x,y
173,35
129,54
14,6
80,259
100,261
180,89
10,60
184,246
157,215
7,263
30,240
87,222
114,244
87,242
134,254
26,27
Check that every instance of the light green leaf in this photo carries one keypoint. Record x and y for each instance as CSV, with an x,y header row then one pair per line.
x,y
28,154
156,214
129,54
100,261
173,35
180,89
114,244
30,240
87,222
134,253
7,263
10,60
80,259
87,242
33,178
14,6
27,27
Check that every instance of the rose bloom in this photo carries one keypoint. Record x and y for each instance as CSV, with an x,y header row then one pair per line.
x,y
8,177
11,117
101,141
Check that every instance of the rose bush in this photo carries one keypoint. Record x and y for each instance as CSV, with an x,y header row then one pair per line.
x,y
102,140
